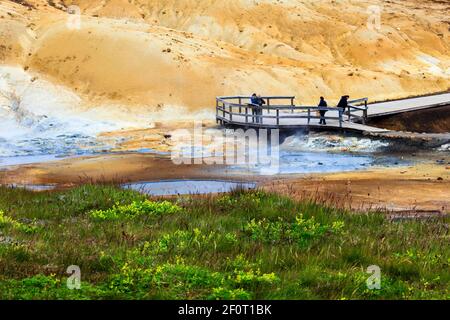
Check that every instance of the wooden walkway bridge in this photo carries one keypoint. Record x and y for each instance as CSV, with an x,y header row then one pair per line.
x,y
280,112
389,108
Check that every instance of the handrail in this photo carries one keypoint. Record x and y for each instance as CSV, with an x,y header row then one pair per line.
x,y
302,108
280,107
358,100
356,108
249,97
298,115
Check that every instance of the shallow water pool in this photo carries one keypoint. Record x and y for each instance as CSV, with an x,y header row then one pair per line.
x,y
33,187
20,160
184,187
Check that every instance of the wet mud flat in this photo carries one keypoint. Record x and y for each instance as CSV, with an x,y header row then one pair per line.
x,y
355,168
419,185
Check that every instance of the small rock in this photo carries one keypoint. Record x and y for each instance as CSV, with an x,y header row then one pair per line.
x,y
440,179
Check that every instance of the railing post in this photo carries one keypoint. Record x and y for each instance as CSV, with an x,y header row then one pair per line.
x,y
309,115
217,110
240,105
341,114
268,104
261,116
365,112
278,117
253,114
292,104
231,112
246,114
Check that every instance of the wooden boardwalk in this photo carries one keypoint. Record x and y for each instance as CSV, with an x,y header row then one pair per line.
x,y
281,113
407,105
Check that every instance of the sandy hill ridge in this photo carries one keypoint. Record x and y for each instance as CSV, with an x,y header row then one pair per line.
x,y
164,53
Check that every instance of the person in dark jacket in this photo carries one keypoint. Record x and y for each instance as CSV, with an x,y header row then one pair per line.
x,y
256,103
343,103
260,103
323,104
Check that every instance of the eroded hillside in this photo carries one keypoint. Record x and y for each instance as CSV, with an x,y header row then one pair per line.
x,y
163,53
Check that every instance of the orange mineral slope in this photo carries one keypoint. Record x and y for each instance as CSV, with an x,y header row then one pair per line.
x,y
166,53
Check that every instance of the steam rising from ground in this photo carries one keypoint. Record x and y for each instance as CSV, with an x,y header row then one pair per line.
x,y
332,143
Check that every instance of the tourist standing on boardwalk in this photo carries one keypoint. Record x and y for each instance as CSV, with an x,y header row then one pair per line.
x,y
322,104
261,102
254,99
257,102
254,104
343,104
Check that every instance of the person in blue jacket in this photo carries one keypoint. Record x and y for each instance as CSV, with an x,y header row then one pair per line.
x,y
257,102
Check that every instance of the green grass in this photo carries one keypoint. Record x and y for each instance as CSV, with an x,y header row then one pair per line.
x,y
245,245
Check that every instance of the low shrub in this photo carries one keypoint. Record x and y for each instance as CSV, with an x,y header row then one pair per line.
x,y
300,231
6,221
179,278
136,209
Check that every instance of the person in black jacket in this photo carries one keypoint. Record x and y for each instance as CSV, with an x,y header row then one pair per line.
x,y
343,103
323,104
261,101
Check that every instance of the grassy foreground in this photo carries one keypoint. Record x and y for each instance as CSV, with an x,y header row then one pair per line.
x,y
246,245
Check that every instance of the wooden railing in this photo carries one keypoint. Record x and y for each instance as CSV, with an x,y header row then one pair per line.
x,y
360,105
233,110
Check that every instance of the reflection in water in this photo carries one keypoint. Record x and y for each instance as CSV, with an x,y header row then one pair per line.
x,y
32,187
182,187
